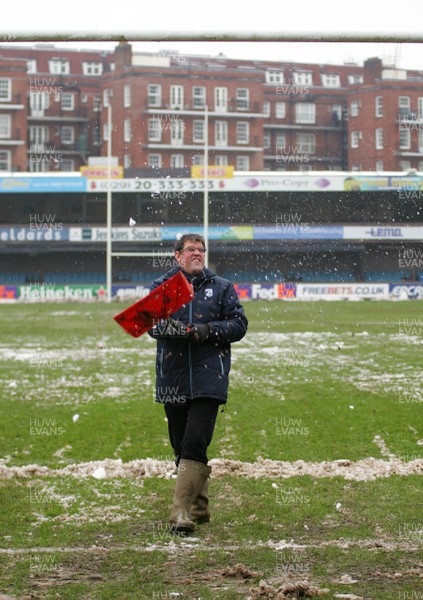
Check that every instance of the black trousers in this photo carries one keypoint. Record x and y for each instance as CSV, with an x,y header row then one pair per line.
x,y
191,428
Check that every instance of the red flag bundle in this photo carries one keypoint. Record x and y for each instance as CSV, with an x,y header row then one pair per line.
x,y
164,300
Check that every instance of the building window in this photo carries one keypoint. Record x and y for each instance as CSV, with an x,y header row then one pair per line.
x,y
67,164
5,126
379,166
92,68
420,108
221,99
266,109
355,137
176,96
336,110
154,94
280,110
198,160
177,161
305,112
221,160
107,94
378,106
67,102
242,132
127,130
96,136
58,67
127,95
38,136
5,89
38,102
198,130
404,139
330,80
221,133
379,138
154,130
354,108
306,143
177,132
84,98
198,97
274,77
355,79
67,135
155,161
242,163
420,141
97,103
266,140
31,65
5,162
420,166
404,105
242,99
280,141
127,161
405,165
303,78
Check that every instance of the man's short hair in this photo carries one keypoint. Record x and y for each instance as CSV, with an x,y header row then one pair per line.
x,y
191,237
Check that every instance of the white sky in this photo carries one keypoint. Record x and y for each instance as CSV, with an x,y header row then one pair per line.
x,y
377,19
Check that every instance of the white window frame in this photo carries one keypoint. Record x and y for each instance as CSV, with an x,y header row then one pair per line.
x,y
221,99
97,104
379,106
6,160
176,97
67,165
242,163
379,166
5,89
266,140
198,131
266,108
67,101
154,94
69,138
5,126
379,138
58,66
273,77
198,96
198,160
221,133
177,128
331,80
221,160
405,165
420,107
242,132
306,142
242,99
39,135
404,105
154,161
127,130
355,79
420,141
31,65
177,161
92,69
303,78
127,95
154,130
355,139
127,162
305,112
355,108
280,137
404,138
280,110
107,94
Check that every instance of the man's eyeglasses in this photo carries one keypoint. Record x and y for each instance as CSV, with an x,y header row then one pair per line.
x,y
191,250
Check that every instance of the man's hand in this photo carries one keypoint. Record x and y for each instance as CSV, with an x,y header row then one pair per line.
x,y
170,328
198,333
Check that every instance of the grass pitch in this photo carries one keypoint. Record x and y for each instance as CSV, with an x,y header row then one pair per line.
x,y
318,381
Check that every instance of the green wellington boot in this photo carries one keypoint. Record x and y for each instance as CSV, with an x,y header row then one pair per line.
x,y
200,512
189,482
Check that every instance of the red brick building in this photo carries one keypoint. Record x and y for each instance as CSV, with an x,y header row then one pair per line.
x,y
262,115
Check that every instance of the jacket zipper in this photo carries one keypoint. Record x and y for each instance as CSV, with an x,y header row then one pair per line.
x,y
221,365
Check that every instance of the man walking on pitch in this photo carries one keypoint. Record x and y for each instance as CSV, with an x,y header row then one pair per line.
x,y
192,368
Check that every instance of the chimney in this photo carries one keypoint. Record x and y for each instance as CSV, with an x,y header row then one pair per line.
x,y
123,56
372,70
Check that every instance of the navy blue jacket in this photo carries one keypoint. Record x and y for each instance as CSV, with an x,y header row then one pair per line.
x,y
187,370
